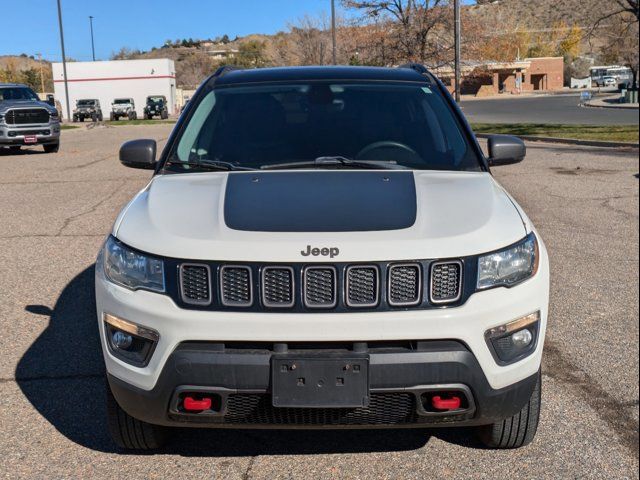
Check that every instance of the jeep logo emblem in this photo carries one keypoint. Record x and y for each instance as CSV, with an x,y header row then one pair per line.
x,y
324,251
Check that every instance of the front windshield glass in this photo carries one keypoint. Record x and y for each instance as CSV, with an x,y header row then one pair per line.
x,y
17,93
85,103
256,126
121,100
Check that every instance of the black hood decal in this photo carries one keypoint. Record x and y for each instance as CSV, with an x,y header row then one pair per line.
x,y
335,201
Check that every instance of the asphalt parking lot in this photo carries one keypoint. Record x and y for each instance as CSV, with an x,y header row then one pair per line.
x,y
563,109
57,208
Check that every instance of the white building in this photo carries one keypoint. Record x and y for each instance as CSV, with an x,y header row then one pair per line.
x,y
108,80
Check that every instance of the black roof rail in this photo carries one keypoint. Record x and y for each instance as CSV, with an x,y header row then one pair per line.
x,y
418,67
224,69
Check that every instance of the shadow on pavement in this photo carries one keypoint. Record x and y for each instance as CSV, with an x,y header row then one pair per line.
x,y
62,375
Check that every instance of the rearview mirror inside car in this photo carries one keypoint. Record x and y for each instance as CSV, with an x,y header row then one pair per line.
x,y
139,153
505,150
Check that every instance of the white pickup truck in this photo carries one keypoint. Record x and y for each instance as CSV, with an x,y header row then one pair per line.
x,y
322,247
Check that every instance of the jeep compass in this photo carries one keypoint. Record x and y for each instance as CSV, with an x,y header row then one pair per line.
x,y
322,247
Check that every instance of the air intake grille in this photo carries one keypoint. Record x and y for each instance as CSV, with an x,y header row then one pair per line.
x,y
384,409
404,285
446,282
235,285
320,287
277,287
27,116
195,284
362,286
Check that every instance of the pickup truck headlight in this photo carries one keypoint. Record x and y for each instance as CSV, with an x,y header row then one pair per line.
x,y
510,266
132,269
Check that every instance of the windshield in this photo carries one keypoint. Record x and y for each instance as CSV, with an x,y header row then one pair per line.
x,y
121,101
155,100
408,125
17,93
85,103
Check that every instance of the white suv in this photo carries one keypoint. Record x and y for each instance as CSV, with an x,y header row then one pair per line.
x,y
322,248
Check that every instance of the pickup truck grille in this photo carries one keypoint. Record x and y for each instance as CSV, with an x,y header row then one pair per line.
x,y
298,287
26,116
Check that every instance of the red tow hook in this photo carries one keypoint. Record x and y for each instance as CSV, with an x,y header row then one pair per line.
x,y
193,405
440,403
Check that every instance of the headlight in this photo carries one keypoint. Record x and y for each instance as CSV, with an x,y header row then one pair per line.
x,y
510,266
132,269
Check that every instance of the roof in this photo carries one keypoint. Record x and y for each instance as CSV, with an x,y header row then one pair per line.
x,y
12,84
280,74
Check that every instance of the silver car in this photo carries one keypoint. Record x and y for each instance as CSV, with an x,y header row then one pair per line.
x,y
26,120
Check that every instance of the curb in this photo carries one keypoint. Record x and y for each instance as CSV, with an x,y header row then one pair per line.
x,y
619,107
571,141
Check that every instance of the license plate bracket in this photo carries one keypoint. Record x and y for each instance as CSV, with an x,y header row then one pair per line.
x,y
320,382
28,139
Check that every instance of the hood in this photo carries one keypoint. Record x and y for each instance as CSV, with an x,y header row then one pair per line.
x,y
9,104
275,216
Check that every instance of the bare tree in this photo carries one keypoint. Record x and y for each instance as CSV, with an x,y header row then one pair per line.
x,y
616,32
420,29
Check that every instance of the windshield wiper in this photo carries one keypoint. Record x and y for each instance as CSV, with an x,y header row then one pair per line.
x,y
335,160
209,164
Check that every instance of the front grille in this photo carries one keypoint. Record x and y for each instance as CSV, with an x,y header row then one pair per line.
x,y
26,116
277,287
299,287
320,287
362,286
404,285
195,284
446,282
235,282
384,409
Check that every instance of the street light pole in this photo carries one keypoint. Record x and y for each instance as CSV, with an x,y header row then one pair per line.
x,y
93,50
456,15
64,62
41,75
333,31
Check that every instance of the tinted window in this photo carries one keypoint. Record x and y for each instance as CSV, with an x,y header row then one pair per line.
x,y
17,93
253,126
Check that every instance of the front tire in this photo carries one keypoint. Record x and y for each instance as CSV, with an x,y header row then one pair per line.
x,y
130,433
51,148
518,430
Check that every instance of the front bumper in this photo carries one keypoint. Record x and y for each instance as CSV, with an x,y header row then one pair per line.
x,y
15,135
402,382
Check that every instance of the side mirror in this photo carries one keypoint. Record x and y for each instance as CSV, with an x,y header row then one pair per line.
x,y
139,153
505,150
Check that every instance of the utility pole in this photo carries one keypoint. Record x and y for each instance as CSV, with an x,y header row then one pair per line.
x,y
41,76
333,31
93,50
456,15
64,62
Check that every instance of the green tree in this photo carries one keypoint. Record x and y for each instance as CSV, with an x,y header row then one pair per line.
x,y
251,54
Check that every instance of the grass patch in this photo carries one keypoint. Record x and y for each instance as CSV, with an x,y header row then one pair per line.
x,y
68,127
140,121
611,133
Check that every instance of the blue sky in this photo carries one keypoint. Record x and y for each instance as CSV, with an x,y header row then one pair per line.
x,y
33,27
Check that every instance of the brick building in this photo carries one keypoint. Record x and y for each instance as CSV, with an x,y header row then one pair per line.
x,y
520,76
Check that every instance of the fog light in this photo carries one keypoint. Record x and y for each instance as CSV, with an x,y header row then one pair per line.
x,y
522,338
121,340
128,341
515,340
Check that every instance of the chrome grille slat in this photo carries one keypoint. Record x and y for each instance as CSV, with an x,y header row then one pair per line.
x,y
320,287
362,289
405,284
446,282
278,287
236,286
